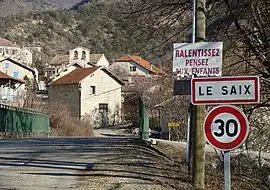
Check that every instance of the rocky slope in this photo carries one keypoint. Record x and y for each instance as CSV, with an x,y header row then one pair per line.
x,y
12,7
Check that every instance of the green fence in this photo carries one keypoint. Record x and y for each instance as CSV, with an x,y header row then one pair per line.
x,y
18,120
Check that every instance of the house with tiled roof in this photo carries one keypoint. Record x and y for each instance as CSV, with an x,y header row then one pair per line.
x,y
89,92
134,65
138,75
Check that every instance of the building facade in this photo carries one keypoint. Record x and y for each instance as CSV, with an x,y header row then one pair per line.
x,y
79,56
18,70
13,51
92,93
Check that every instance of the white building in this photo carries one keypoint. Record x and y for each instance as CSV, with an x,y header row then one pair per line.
x,y
134,66
18,70
11,91
13,51
89,92
131,67
82,56
78,56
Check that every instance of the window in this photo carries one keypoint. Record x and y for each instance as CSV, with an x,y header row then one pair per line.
x,y
1,50
103,107
92,89
6,51
16,75
75,55
6,65
132,68
13,52
83,55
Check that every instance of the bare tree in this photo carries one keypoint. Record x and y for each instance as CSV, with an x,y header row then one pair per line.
x,y
242,25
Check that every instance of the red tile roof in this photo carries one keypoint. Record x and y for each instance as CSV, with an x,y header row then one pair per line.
x,y
75,76
4,76
140,61
5,42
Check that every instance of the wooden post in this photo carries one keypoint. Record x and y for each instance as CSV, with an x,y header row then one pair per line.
x,y
199,140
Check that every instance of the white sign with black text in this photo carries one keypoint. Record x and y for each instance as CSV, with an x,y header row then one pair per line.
x,y
225,90
199,59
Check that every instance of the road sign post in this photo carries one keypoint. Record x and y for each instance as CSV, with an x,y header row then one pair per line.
x,y
227,170
226,128
170,125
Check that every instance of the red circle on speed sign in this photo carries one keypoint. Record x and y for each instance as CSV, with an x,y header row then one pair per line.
x,y
226,127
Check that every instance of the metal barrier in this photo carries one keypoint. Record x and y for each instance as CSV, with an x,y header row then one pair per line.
x,y
19,120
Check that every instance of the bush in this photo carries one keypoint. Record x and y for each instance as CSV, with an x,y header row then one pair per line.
x,y
63,124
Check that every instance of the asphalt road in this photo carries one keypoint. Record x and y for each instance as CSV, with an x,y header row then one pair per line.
x,y
111,162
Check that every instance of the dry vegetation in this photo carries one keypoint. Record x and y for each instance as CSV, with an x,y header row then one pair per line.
x,y
63,124
245,175
61,121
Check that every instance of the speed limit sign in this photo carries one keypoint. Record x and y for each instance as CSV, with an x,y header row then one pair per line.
x,y
226,127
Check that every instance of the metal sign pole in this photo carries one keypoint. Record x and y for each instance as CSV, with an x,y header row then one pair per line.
x,y
169,133
188,140
227,170
193,22
188,156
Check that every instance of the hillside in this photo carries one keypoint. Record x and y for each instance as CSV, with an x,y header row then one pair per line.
x,y
91,25
12,7
64,3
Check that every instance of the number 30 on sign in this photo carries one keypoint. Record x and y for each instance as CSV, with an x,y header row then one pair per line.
x,y
226,127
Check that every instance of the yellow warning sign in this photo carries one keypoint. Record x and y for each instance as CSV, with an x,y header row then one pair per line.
x,y
173,124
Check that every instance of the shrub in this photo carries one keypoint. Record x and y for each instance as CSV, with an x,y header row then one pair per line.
x,y
63,124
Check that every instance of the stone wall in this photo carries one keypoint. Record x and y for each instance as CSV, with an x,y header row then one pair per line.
x,y
67,95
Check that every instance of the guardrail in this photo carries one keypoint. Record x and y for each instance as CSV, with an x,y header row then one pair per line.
x,y
20,120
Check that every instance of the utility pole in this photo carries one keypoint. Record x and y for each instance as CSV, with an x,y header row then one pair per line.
x,y
199,110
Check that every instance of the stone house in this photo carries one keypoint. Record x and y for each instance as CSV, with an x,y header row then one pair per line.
x,y
89,93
